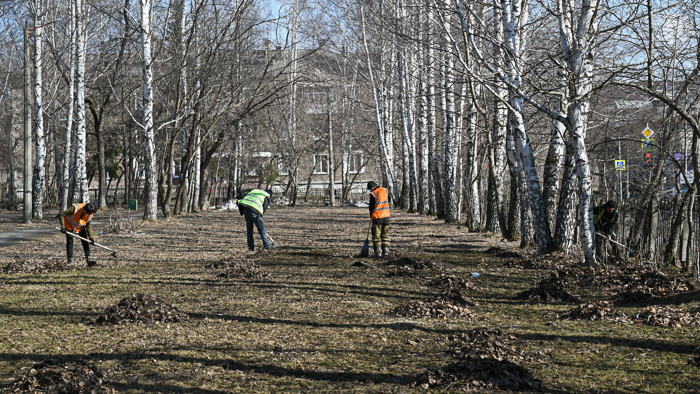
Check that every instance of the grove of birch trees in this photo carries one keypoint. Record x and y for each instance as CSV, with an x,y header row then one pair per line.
x,y
506,116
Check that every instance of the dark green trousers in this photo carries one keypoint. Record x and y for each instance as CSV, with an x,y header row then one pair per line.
x,y
381,232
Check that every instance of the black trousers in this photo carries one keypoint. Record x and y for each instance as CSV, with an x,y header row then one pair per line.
x,y
69,244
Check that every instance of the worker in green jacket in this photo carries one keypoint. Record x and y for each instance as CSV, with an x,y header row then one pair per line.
x,y
604,223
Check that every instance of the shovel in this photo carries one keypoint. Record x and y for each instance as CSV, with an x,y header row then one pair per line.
x,y
114,252
365,247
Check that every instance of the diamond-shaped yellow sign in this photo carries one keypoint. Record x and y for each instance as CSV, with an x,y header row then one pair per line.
x,y
648,132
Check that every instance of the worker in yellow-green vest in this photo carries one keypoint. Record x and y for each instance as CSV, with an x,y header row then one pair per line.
x,y
253,206
604,224
379,211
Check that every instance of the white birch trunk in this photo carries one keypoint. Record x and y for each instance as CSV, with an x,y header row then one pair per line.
x,y
513,21
472,173
449,165
408,131
578,49
424,205
81,193
39,178
552,169
387,161
566,210
514,158
151,189
331,159
66,171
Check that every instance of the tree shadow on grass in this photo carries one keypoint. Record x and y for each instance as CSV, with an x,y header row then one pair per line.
x,y
399,326
343,289
261,368
651,344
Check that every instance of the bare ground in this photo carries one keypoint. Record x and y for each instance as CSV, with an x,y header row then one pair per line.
x,y
305,317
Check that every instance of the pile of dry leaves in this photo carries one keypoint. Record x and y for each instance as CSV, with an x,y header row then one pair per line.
x,y
485,360
549,261
234,268
597,310
649,285
406,266
139,308
503,253
667,317
445,281
51,377
451,303
34,266
550,289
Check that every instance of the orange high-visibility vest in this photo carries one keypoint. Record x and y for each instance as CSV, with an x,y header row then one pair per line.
x,y
381,199
77,221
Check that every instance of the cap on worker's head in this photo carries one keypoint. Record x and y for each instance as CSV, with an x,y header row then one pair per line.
x,y
611,204
90,207
371,185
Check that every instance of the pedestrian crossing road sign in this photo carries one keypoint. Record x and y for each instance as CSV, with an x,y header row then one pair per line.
x,y
620,165
648,144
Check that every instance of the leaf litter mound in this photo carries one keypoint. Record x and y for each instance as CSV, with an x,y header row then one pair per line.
x,y
33,266
550,289
451,303
484,359
597,310
650,285
667,317
236,269
52,377
408,267
448,281
140,308
497,251
549,261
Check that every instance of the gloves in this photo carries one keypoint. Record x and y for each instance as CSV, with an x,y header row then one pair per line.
x,y
64,230
92,241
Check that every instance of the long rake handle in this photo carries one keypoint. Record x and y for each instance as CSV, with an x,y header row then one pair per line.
x,y
114,252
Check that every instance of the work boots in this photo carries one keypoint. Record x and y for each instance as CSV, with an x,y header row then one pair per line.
x,y
70,261
385,251
91,262
377,251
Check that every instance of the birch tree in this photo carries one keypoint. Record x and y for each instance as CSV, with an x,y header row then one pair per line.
x,y
151,190
39,179
81,192
70,99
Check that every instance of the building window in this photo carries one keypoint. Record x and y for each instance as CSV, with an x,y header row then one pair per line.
x,y
321,164
356,163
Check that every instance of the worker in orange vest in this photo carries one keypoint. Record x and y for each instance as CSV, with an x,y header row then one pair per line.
x,y
77,219
379,211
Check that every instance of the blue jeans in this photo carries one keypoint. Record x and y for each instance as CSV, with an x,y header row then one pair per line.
x,y
251,217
